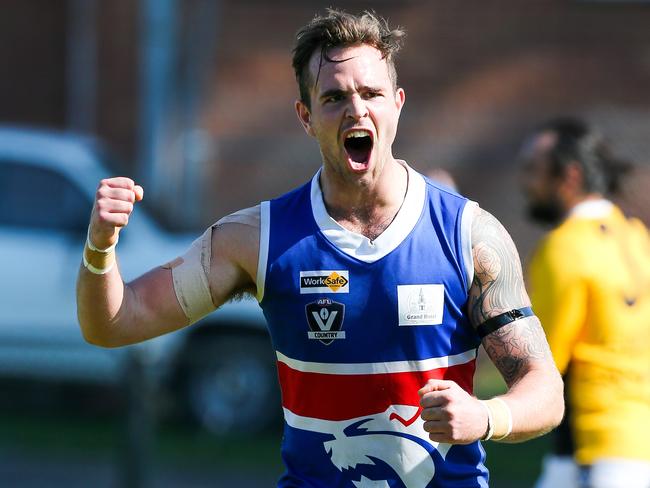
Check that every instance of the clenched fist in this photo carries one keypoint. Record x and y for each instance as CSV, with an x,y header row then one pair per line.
x,y
450,414
113,205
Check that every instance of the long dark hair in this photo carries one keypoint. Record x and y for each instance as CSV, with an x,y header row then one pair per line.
x,y
577,142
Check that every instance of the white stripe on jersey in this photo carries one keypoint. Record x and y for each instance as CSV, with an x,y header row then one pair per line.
x,y
378,368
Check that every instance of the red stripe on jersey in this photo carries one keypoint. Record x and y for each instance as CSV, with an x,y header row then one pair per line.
x,y
342,397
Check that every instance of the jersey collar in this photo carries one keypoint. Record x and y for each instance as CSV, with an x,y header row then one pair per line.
x,y
359,246
592,209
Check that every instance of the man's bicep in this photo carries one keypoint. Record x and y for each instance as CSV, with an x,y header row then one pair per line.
x,y
217,265
498,284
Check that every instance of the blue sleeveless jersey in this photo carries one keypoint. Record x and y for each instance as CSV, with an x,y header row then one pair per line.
x,y
358,328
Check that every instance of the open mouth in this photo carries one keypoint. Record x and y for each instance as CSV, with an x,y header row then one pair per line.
x,y
358,145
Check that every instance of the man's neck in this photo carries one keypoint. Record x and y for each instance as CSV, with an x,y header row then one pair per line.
x,y
366,209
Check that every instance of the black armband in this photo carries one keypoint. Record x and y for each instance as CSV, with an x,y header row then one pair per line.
x,y
495,323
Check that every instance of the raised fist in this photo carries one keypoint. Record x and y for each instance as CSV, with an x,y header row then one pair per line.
x,y
113,205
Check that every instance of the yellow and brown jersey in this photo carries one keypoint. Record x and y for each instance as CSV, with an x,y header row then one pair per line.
x,y
590,287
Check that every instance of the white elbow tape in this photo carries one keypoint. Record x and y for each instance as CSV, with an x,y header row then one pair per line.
x,y
190,275
499,419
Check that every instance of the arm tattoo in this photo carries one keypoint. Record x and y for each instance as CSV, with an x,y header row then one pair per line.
x,y
498,287
498,284
513,346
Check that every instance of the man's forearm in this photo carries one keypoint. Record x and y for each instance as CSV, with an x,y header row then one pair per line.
x,y
536,402
101,293
100,300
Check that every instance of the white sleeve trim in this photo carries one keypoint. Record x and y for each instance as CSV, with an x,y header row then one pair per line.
x,y
265,227
466,220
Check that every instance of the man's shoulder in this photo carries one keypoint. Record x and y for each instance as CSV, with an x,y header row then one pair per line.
x,y
238,231
248,216
448,201
437,188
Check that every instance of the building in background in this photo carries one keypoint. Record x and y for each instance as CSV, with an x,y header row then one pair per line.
x,y
197,95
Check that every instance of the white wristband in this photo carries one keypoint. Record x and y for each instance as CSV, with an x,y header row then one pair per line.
x,y
508,412
92,247
95,270
499,419
490,425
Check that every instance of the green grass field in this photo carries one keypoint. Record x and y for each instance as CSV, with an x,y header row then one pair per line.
x,y
511,465
70,433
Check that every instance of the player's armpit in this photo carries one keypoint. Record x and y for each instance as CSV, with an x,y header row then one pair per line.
x,y
235,250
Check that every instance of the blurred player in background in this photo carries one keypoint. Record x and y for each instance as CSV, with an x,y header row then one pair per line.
x,y
590,286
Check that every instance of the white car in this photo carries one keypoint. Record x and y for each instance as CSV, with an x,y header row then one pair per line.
x,y
221,369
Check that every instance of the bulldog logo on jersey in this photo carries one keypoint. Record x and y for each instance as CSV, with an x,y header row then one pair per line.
x,y
325,319
390,448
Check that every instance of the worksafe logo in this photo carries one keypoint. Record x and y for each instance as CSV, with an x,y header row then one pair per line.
x,y
324,281
325,319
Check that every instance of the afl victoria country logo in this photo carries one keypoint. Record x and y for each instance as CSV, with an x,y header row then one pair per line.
x,y
325,319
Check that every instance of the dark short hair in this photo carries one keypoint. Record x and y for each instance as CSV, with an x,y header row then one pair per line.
x,y
578,142
340,29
